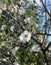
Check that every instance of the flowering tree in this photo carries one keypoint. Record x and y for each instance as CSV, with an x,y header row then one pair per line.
x,y
25,28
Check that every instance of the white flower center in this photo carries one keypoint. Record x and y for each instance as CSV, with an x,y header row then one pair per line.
x,y
25,36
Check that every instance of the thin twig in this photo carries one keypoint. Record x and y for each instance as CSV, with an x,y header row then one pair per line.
x,y
45,8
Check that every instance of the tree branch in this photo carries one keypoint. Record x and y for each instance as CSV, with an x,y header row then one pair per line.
x,y
48,46
36,41
43,34
45,57
43,50
16,21
6,62
45,8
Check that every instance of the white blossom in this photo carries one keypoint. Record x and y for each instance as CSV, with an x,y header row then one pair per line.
x,y
41,38
8,53
16,63
25,36
14,50
45,63
44,14
4,59
49,54
3,27
27,20
0,11
22,2
20,12
3,44
36,54
7,58
12,28
16,8
49,48
36,25
50,11
4,7
11,8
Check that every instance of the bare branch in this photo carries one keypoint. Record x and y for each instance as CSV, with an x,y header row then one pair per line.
x,y
43,34
36,41
45,8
